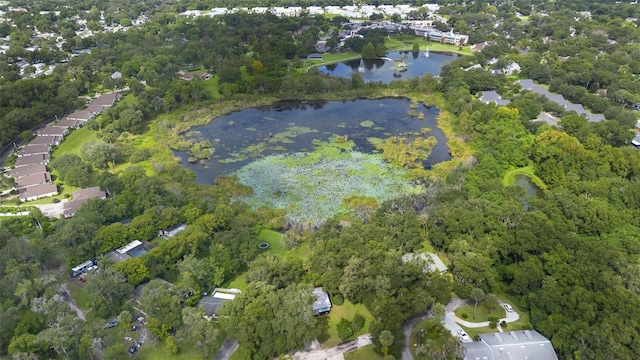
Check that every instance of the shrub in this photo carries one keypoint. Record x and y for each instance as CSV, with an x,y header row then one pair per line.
x,y
493,324
140,155
464,316
357,322
494,318
337,299
344,329
503,324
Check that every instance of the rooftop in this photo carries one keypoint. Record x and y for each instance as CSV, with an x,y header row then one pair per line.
x,y
34,179
32,159
521,344
47,140
28,170
322,303
37,191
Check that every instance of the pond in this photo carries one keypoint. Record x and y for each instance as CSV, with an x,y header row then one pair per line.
x,y
241,137
531,188
386,71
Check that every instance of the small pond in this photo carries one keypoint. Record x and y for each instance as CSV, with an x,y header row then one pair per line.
x,y
380,70
288,127
531,188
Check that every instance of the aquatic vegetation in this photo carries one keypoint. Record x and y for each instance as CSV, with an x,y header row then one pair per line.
x,y
367,123
405,153
312,187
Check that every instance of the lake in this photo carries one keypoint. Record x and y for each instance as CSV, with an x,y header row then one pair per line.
x,y
381,70
294,126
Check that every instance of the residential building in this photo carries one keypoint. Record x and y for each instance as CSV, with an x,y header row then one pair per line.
x,y
47,140
80,197
68,123
198,75
480,46
493,97
54,131
171,231
32,159
322,305
80,115
106,100
38,192
33,180
521,344
28,170
442,37
211,304
38,149
95,109
116,75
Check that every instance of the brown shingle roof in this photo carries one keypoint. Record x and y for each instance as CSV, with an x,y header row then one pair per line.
x,y
28,170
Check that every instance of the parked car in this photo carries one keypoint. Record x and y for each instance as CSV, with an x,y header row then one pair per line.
x,y
508,307
111,324
141,320
134,347
462,335
134,328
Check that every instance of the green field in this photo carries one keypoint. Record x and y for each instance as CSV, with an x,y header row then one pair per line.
x,y
159,352
73,143
346,310
276,244
482,313
363,353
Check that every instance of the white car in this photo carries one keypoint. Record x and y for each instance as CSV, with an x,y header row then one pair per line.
x,y
462,335
508,307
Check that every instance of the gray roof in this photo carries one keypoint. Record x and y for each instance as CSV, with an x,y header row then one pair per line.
x,y
34,149
32,159
493,97
53,131
322,302
47,140
39,190
81,115
528,84
34,179
68,123
88,193
28,170
105,99
521,344
211,305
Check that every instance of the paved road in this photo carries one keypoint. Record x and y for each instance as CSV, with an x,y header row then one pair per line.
x,y
334,352
407,328
51,210
511,317
228,347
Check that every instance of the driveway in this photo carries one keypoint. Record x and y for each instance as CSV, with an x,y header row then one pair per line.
x,y
53,210
228,347
511,317
334,352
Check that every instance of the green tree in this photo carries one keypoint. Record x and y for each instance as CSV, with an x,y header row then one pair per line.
x,y
477,295
344,329
162,307
386,340
357,323
268,321
369,52
491,302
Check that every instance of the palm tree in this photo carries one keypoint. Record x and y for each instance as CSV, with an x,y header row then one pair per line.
x,y
491,302
477,295
386,339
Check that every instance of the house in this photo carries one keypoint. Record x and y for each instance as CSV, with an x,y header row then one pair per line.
x,y
80,197
116,75
46,140
33,180
54,131
32,159
28,170
69,123
198,75
322,305
106,100
493,97
81,115
521,344
511,69
38,192
211,304
95,109
636,141
171,231
480,46
38,149
314,56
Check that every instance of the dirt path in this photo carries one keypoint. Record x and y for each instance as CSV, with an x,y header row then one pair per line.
x,y
65,292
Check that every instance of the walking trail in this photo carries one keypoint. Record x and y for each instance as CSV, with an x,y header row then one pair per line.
x,y
334,353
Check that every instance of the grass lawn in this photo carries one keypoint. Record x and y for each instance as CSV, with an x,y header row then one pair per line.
x,y
240,354
240,282
302,252
73,143
346,310
397,43
276,244
159,352
482,313
363,353
510,177
80,294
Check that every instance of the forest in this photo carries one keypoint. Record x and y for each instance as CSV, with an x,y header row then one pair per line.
x,y
569,257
